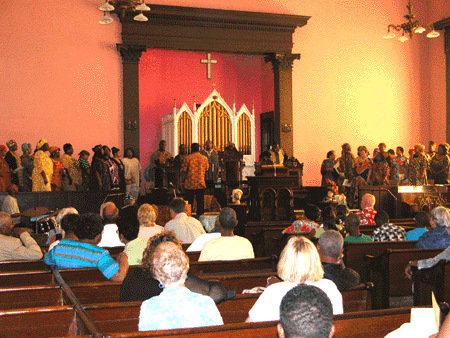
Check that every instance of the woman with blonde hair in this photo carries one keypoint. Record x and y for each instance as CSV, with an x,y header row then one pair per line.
x,y
299,263
146,216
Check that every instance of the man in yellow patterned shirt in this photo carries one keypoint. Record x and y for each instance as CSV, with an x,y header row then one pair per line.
x,y
194,167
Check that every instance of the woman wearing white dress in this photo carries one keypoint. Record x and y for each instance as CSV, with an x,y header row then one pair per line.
x,y
132,172
299,263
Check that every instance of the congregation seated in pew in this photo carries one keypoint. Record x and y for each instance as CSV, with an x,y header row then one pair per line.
x,y
16,243
386,231
367,212
185,227
109,214
330,248
306,311
439,235
299,263
140,284
176,306
421,222
145,217
352,227
84,252
228,246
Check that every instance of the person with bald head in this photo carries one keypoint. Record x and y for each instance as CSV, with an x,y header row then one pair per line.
x,y
16,243
367,212
110,236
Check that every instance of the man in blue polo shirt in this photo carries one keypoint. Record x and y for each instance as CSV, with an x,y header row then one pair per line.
x,y
84,252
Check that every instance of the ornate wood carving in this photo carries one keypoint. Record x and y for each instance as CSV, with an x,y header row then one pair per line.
x,y
282,61
131,53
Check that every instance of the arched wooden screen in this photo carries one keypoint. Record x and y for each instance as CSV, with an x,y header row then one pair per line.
x,y
244,135
185,131
214,124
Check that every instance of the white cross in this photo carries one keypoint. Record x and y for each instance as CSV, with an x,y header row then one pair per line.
x,y
208,62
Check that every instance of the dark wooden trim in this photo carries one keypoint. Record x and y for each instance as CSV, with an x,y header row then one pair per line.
x,y
212,30
445,25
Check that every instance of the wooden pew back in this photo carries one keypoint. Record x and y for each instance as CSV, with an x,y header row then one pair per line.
x,y
354,254
387,273
368,324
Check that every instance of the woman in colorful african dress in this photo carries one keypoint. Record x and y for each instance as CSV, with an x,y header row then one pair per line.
x,y
380,170
43,168
400,167
418,165
363,169
440,166
58,169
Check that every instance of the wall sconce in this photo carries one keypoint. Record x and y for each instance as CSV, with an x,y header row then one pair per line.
x,y
286,128
130,125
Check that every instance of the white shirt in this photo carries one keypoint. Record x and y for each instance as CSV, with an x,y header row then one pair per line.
x,y
186,228
267,307
110,236
201,240
228,248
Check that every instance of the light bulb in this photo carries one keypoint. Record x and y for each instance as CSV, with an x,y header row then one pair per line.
x,y
433,34
140,17
105,20
419,30
142,7
402,38
106,7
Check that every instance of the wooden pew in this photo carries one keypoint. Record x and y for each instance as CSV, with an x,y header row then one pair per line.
x,y
354,254
9,266
31,296
387,273
367,324
6,266
436,279
262,264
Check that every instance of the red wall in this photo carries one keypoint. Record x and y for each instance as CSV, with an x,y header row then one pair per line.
x,y
168,75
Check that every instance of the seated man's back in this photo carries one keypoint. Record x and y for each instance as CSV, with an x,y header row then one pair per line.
x,y
186,228
227,249
84,253
228,246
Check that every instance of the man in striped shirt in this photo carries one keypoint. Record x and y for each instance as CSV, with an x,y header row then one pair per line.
x,y
84,252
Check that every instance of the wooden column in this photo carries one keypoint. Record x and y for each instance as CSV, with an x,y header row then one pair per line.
x,y
131,55
282,71
445,25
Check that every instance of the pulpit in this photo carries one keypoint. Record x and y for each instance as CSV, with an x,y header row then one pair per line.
x,y
272,192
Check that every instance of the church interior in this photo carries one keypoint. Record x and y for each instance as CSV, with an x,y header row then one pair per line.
x,y
319,71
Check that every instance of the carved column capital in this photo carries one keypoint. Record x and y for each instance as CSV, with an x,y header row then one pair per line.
x,y
282,61
131,53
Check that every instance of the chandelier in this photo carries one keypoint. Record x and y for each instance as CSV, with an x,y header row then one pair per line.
x,y
409,28
121,7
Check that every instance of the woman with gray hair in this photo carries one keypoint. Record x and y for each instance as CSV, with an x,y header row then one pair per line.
x,y
439,235
299,263
176,307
